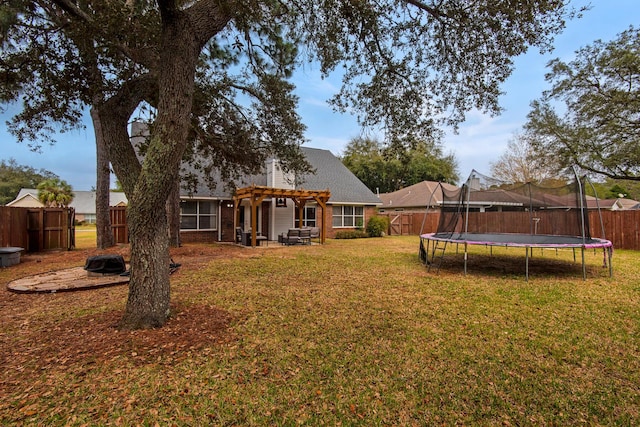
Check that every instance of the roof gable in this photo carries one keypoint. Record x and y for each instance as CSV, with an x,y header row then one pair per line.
x,y
26,200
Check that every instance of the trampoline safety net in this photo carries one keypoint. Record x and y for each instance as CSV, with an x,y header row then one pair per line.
x,y
485,205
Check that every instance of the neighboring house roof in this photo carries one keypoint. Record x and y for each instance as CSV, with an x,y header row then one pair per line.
x,y
627,204
620,204
25,199
330,174
84,202
416,196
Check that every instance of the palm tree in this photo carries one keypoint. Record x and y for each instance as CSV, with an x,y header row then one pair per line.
x,y
55,193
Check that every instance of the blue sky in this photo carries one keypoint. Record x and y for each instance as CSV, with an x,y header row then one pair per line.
x,y
481,139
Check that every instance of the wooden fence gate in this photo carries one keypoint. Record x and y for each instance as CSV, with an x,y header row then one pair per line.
x,y
411,223
400,224
118,216
43,229
37,229
51,228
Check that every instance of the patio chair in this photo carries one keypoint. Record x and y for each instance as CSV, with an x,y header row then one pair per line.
x,y
305,236
291,238
315,233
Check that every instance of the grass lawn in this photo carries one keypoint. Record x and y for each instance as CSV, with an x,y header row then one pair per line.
x,y
354,332
86,236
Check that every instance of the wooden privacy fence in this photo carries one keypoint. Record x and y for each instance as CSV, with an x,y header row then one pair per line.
x,y
43,229
37,229
622,228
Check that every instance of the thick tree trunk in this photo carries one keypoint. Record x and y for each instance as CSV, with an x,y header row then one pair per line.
x,y
149,290
148,185
104,235
149,287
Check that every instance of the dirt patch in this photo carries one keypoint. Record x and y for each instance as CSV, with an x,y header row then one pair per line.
x,y
38,333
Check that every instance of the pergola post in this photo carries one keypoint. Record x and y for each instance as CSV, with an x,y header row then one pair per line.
x,y
322,202
255,201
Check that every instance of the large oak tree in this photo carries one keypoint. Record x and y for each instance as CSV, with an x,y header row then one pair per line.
x,y
408,67
591,115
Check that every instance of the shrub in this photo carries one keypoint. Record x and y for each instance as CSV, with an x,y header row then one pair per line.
x,y
377,226
351,234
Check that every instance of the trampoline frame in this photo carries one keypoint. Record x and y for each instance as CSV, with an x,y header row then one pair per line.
x,y
529,242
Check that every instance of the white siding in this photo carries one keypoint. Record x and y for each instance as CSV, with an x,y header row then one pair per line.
x,y
278,179
281,219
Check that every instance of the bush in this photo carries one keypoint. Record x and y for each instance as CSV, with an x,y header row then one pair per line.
x,y
351,234
377,226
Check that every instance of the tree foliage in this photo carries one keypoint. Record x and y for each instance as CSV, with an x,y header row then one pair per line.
x,y
217,74
55,193
591,115
613,189
387,168
520,163
13,177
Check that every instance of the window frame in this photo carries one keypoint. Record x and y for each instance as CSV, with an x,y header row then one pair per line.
x,y
306,219
198,215
353,216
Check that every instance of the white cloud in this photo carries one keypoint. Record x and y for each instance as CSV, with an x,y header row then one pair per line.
x,y
481,140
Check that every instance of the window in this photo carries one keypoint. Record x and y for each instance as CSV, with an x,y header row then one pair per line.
x,y
348,216
309,217
197,215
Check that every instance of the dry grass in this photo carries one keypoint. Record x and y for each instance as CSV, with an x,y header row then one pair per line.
x,y
355,332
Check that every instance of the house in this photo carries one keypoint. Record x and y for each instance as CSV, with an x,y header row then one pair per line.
x,y
84,202
415,198
619,204
211,214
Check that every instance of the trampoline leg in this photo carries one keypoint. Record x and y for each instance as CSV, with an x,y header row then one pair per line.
x,y
609,251
584,267
465,258
526,268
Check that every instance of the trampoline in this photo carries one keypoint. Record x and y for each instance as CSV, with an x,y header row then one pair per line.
x,y
434,240
489,212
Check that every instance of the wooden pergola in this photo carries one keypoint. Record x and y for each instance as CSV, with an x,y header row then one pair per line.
x,y
256,194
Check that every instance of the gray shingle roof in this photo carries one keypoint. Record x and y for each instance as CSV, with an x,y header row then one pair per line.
x,y
332,174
